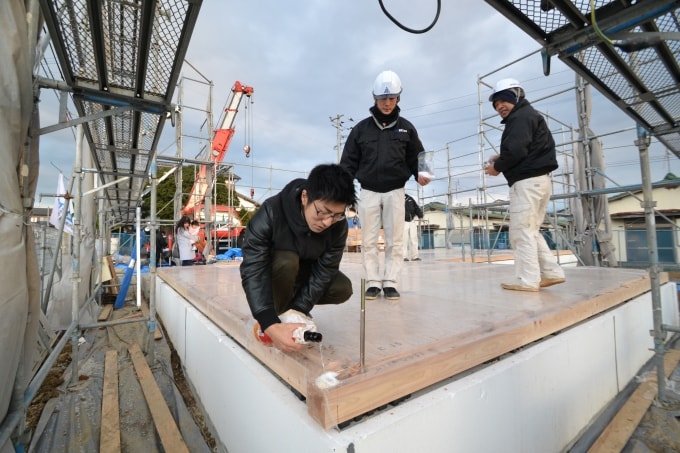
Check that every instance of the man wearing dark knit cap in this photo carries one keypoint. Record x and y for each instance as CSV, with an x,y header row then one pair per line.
x,y
526,159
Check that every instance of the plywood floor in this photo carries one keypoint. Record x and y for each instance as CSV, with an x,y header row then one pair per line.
x,y
451,318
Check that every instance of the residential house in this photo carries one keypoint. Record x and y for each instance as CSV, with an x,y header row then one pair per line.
x,y
629,225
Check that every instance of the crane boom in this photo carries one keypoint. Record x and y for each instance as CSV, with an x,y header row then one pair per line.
x,y
224,134
220,144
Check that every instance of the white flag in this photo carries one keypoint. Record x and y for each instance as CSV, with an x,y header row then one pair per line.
x,y
58,209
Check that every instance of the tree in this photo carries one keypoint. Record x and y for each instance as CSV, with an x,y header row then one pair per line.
x,y
166,192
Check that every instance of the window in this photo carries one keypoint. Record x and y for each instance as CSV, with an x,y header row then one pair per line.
x,y
636,244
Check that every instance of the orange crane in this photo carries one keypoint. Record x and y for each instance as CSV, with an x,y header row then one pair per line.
x,y
220,144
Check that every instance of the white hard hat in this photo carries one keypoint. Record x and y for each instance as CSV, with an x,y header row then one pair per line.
x,y
387,85
506,84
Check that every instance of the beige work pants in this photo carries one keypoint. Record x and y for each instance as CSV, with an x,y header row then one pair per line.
x,y
529,200
411,240
386,210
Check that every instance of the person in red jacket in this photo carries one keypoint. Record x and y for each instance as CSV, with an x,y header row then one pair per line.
x,y
526,159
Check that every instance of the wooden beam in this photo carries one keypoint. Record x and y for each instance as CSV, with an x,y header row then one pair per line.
x,y
171,438
109,440
105,313
115,284
615,436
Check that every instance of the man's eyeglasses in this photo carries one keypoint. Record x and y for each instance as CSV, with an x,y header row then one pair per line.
x,y
328,215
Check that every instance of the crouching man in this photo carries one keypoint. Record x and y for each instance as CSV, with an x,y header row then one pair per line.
x,y
292,251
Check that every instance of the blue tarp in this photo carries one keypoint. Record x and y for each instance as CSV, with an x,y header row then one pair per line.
x,y
231,254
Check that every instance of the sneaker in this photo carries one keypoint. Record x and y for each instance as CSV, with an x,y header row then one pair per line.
x,y
406,259
391,293
545,282
372,293
415,259
517,287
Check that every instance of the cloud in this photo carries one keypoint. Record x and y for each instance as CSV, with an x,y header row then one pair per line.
x,y
309,61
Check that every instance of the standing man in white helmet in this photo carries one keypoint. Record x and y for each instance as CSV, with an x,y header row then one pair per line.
x,y
381,152
526,159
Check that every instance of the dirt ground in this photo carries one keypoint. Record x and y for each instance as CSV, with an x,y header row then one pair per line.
x,y
49,388
189,400
658,432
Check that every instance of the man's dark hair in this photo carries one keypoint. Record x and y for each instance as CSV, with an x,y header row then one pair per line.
x,y
331,182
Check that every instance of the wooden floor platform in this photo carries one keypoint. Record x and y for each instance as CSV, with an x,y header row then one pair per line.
x,y
452,317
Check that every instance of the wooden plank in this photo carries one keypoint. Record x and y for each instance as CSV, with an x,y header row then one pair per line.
x,y
169,433
109,440
105,313
157,334
483,258
133,315
354,238
398,377
401,376
451,318
106,271
115,284
615,436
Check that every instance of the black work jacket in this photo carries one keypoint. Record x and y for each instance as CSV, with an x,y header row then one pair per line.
x,y
527,146
280,225
382,158
411,209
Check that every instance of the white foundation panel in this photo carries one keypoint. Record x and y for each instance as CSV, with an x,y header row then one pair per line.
x,y
538,399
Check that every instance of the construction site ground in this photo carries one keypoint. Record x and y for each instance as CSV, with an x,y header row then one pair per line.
x,y
67,416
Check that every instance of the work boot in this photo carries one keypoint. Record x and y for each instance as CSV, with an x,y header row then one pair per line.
x,y
372,293
545,282
518,287
416,259
391,293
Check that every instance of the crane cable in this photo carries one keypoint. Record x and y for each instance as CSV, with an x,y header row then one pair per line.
x,y
411,30
248,132
247,147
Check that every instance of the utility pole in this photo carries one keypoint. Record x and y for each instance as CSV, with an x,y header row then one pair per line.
x,y
338,124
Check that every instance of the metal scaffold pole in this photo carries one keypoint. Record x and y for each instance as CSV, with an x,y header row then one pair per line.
x,y
648,205
75,263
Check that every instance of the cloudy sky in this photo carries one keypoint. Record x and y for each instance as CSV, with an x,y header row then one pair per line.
x,y
310,61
